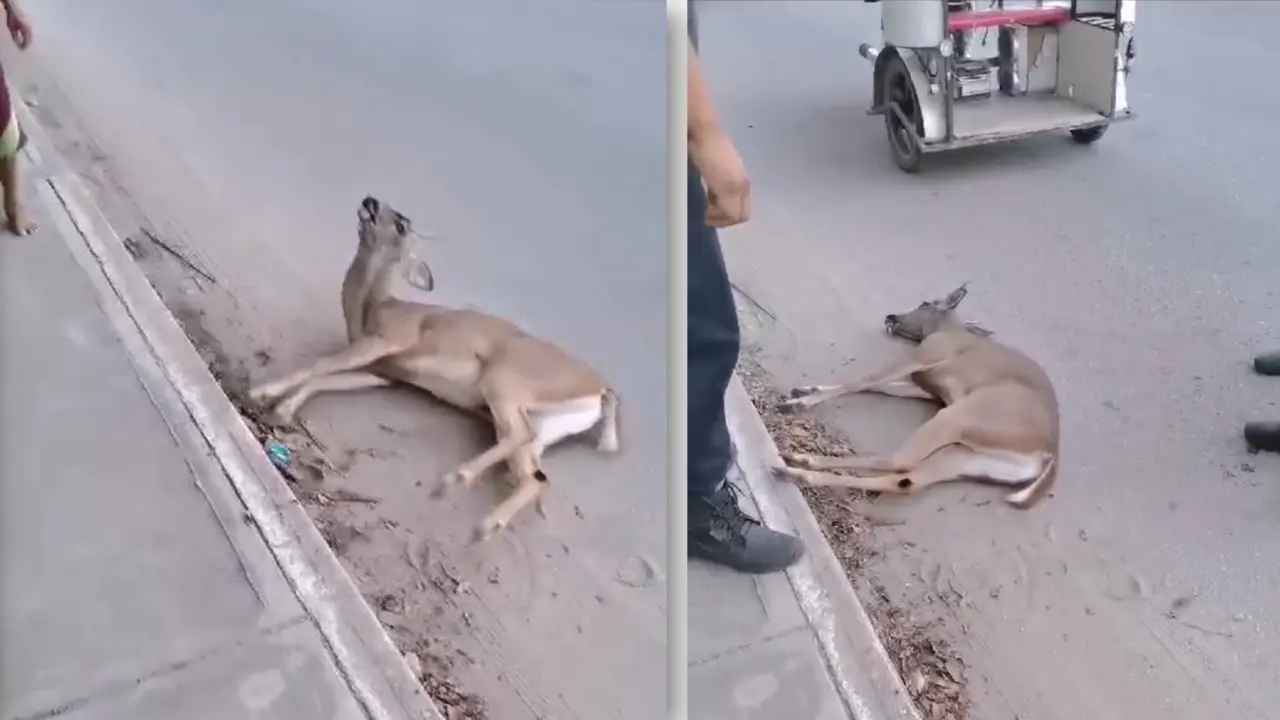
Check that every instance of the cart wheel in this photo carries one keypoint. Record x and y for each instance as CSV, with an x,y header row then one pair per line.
x,y
1090,135
899,90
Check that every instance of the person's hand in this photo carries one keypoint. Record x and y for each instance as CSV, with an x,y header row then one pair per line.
x,y
728,187
19,28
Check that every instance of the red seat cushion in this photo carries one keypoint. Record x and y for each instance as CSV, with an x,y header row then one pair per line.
x,y
1030,17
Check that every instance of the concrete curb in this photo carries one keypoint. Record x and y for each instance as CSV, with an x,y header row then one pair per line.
x,y
365,655
861,668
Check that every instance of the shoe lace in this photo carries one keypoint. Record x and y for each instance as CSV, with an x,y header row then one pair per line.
x,y
727,514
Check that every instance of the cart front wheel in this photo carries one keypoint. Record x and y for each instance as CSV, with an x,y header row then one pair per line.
x,y
898,89
1088,136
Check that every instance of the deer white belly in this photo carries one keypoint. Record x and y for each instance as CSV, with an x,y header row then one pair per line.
x,y
1006,469
554,422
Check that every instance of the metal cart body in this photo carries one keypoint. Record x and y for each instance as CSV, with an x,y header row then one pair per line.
x,y
950,75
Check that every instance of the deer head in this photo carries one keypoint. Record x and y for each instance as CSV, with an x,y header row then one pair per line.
x,y
384,242
931,317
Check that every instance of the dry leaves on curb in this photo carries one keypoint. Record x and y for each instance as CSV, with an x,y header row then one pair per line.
x,y
931,669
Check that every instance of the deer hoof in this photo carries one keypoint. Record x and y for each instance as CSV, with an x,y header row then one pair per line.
x,y
485,530
263,394
791,475
798,461
446,483
607,444
804,390
455,477
794,405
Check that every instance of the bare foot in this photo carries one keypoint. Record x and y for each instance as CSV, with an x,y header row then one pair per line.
x,y
19,224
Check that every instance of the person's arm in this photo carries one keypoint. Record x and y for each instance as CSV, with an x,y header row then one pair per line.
x,y
17,23
704,123
711,151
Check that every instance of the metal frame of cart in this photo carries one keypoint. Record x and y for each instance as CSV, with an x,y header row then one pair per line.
x,y
952,75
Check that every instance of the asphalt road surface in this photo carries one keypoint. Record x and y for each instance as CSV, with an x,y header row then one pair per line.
x,y
531,139
1143,272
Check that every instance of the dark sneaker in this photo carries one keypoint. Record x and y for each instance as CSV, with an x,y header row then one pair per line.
x,y
720,532
1261,436
1268,364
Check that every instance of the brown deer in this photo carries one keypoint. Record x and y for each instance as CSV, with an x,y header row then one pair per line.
x,y
533,392
998,423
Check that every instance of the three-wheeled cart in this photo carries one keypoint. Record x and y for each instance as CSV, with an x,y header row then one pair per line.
x,y
960,73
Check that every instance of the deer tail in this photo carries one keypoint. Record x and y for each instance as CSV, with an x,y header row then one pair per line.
x,y
609,415
1037,490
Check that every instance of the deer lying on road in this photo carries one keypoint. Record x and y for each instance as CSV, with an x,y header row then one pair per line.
x,y
999,423
534,393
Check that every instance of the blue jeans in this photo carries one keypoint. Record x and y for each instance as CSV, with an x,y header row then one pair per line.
x,y
713,348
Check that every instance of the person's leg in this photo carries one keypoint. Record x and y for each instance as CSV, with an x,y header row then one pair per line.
x,y
16,219
718,529
1267,363
11,142
713,349
1264,436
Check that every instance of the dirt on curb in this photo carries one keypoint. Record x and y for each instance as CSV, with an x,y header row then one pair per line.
x,y
931,669
311,473
305,464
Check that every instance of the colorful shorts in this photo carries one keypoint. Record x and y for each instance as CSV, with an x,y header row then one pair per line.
x,y
12,139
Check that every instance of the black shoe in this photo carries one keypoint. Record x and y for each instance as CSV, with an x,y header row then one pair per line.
x,y
1262,436
721,533
1268,364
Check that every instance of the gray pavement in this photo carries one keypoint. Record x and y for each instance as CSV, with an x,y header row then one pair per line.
x,y
794,644
1141,271
132,582
531,140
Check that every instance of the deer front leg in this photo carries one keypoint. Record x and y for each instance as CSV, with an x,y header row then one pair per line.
x,y
364,352
337,382
892,380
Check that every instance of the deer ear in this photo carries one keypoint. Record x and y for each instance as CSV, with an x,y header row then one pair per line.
x,y
952,301
418,275
977,329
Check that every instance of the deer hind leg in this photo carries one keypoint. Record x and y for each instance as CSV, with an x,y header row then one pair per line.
x,y
952,463
525,465
531,483
364,352
943,429
337,382
527,491
892,380
514,432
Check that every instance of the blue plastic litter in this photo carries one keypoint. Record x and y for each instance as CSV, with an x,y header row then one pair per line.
x,y
279,454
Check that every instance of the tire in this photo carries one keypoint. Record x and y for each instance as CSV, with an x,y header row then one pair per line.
x,y
1090,135
897,88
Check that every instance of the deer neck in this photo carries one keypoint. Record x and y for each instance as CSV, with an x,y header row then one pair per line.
x,y
951,324
367,283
